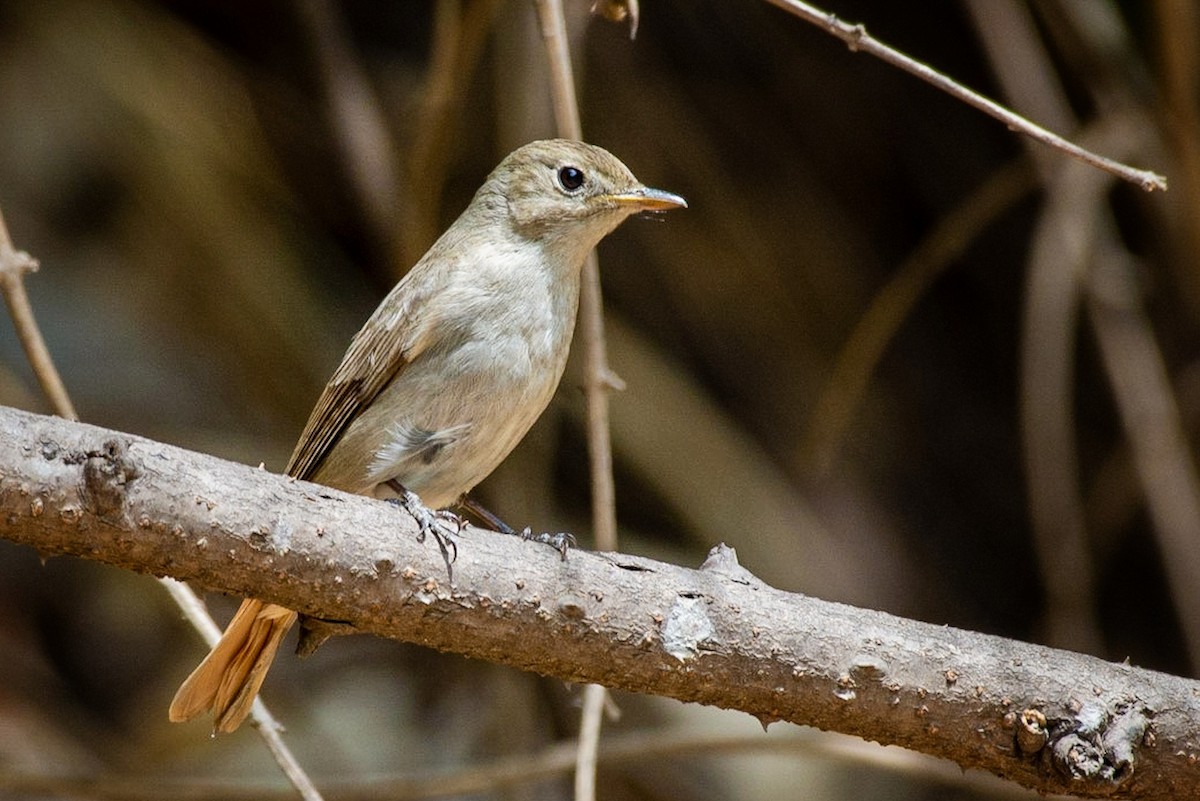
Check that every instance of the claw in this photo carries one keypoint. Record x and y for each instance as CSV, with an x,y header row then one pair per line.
x,y
442,524
561,542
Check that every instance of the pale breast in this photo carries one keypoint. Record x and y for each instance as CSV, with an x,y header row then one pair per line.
x,y
457,411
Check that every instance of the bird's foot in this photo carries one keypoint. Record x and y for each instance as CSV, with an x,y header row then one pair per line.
x,y
441,524
561,542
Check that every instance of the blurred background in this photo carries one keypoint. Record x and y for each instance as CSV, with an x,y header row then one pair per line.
x,y
892,353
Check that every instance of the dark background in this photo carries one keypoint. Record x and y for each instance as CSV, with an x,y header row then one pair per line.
x,y
208,248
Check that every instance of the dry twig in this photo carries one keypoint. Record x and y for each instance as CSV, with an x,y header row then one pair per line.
x,y
857,39
13,266
598,378
1078,256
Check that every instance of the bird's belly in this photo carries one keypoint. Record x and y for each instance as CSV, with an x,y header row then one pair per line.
x,y
449,420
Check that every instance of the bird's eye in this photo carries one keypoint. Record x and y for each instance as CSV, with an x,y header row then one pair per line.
x,y
570,178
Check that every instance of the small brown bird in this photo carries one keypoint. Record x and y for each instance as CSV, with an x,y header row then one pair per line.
x,y
448,374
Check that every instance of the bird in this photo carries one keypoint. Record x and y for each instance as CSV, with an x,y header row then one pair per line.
x,y
447,375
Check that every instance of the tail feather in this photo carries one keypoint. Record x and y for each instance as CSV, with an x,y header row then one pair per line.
x,y
229,678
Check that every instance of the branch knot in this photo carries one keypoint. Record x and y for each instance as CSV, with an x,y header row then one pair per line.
x,y
107,472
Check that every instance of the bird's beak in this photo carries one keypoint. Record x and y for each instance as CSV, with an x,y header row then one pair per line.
x,y
643,198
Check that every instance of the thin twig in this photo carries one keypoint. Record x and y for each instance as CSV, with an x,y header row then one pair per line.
x,y
13,266
558,50
260,717
587,753
1098,268
598,379
857,39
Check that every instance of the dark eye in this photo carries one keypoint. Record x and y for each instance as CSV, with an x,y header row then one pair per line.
x,y
570,178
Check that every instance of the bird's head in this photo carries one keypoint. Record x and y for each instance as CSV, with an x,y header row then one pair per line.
x,y
561,189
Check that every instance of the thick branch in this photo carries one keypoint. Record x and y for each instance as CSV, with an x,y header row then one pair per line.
x,y
1052,720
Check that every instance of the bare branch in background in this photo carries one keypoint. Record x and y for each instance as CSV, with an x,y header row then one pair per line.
x,y
1048,345
13,266
598,378
857,39
1078,258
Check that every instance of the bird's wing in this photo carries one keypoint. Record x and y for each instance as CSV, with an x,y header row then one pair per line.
x,y
396,334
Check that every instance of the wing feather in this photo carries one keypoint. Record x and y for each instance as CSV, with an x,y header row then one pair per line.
x,y
392,338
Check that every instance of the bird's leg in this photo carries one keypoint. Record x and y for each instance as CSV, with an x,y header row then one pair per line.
x,y
560,542
444,525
